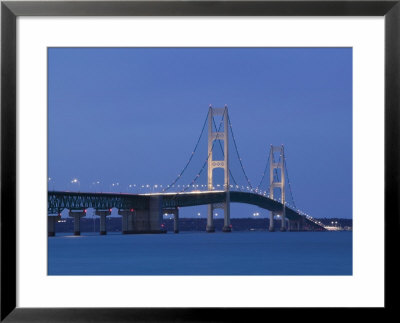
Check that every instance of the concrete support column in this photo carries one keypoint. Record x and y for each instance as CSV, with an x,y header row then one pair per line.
x,y
142,222
103,214
155,214
51,225
103,229
131,218
145,220
210,219
283,220
127,220
290,225
77,225
271,222
77,215
176,220
227,213
298,225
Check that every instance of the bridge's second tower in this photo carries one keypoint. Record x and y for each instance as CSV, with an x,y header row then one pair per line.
x,y
277,182
224,164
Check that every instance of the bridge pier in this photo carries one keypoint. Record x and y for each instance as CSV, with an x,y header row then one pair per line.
x,y
210,219
227,219
176,221
127,220
77,215
283,224
227,214
175,212
149,219
142,221
271,222
294,225
51,224
103,214
155,213
291,225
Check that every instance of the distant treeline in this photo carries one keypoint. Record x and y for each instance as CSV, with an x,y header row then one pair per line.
x,y
114,224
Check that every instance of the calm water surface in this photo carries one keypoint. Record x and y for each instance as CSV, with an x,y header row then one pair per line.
x,y
201,253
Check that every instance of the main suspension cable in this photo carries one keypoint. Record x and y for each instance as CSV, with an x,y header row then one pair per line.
x,y
290,187
237,152
265,170
191,156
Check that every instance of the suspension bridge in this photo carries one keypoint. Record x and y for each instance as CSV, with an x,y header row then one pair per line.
x,y
143,212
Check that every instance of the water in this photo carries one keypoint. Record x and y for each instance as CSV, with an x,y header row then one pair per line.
x,y
201,253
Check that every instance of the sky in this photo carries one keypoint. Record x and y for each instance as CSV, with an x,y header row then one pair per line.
x,y
132,116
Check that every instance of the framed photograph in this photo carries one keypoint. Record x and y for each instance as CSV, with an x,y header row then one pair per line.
x,y
180,160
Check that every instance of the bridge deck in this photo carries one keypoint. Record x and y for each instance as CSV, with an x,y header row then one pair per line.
x,y
57,201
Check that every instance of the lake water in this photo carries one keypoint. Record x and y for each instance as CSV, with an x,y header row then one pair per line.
x,y
201,253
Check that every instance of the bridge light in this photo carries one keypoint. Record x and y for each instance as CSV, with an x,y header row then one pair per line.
x,y
131,210
110,210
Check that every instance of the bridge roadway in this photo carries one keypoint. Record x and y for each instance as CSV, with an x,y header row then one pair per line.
x,y
60,200
142,213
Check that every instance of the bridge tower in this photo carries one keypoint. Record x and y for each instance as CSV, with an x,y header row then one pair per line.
x,y
277,183
224,164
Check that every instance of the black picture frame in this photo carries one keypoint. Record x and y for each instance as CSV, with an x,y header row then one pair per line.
x,y
10,10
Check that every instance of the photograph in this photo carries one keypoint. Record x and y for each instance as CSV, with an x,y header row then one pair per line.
x,y
233,161
166,161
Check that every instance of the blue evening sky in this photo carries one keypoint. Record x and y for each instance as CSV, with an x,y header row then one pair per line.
x,y
132,116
